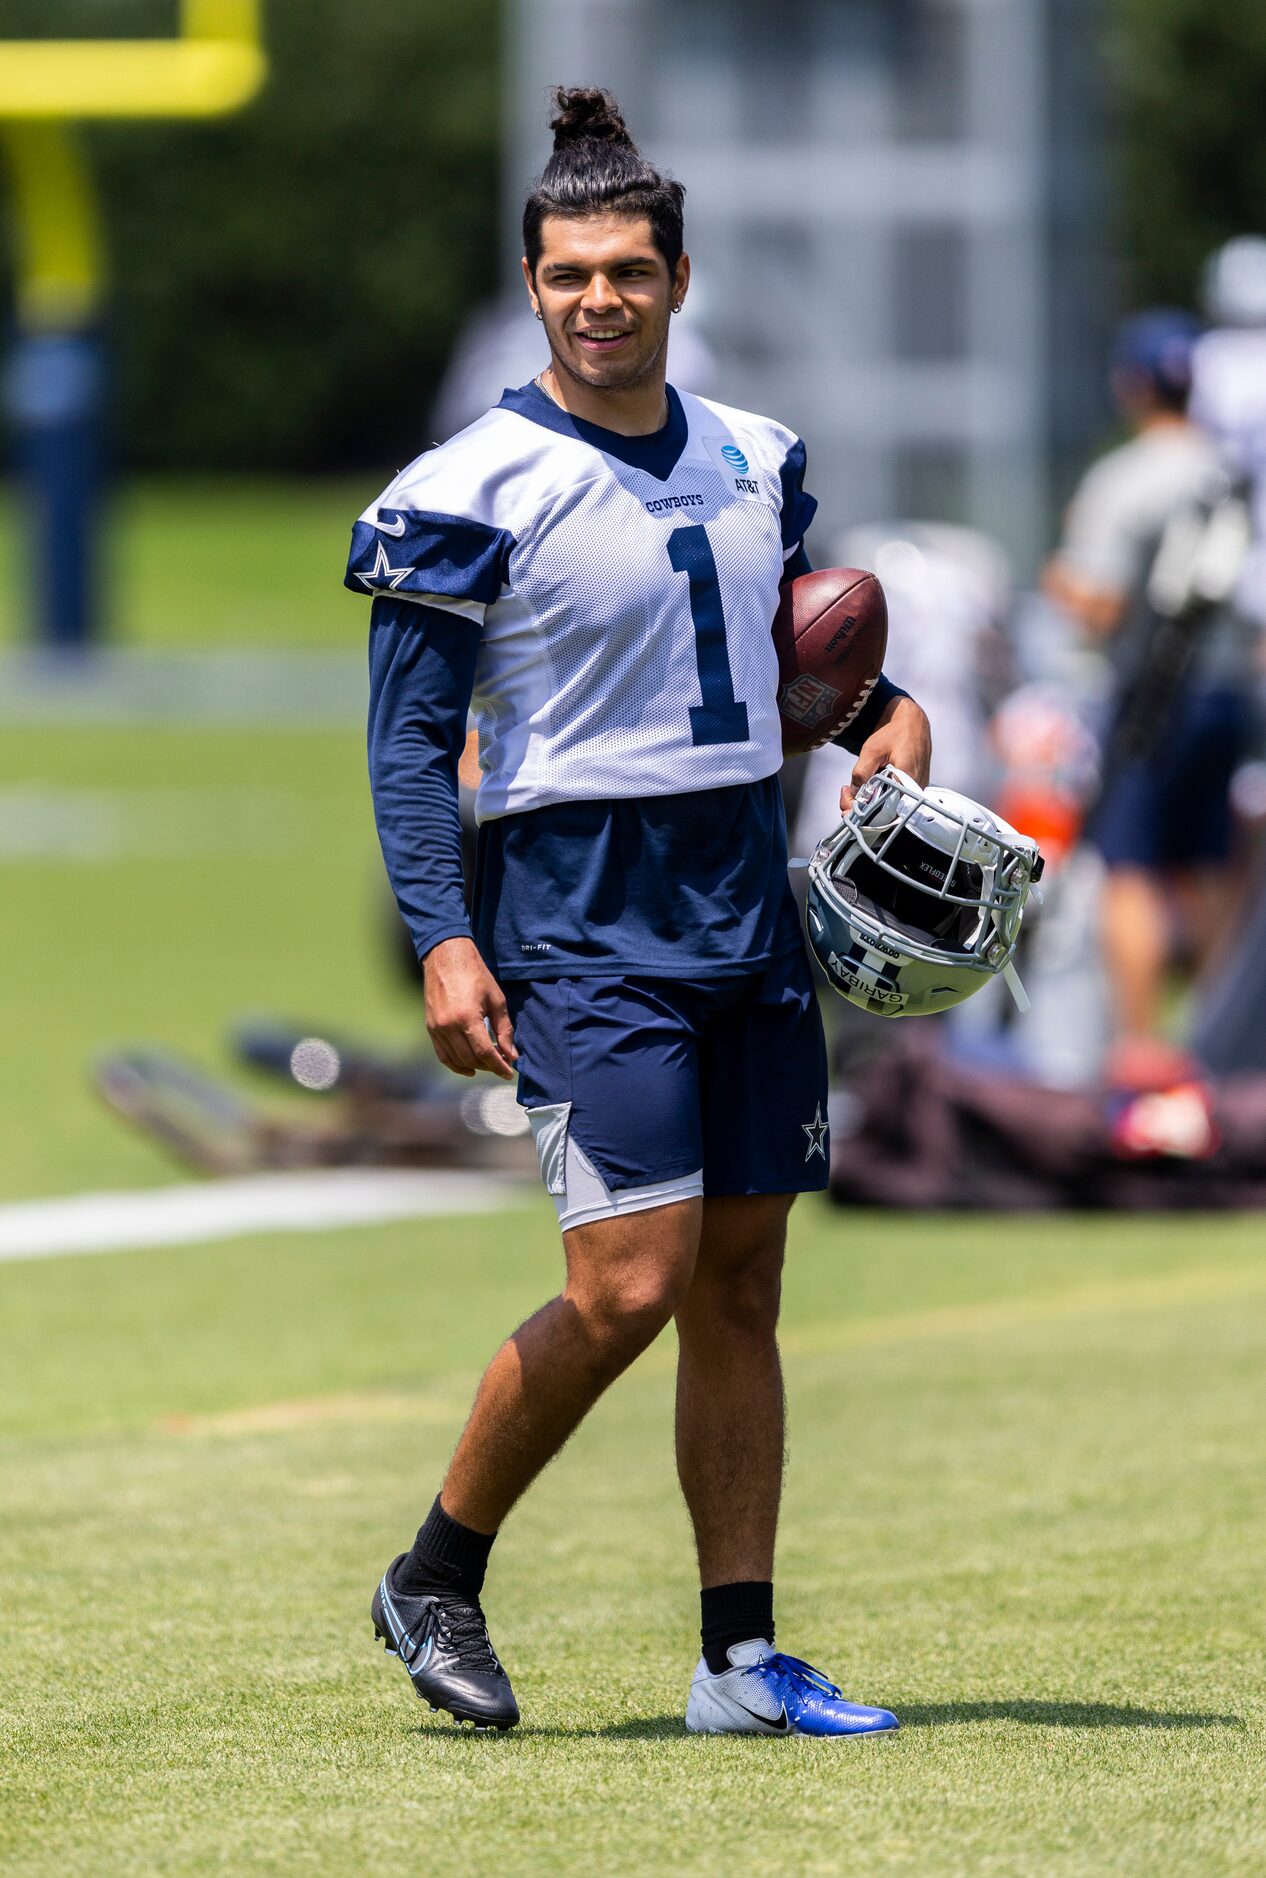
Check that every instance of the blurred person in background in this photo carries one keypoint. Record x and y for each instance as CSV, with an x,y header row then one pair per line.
x,y
1163,825
1228,388
1228,396
949,595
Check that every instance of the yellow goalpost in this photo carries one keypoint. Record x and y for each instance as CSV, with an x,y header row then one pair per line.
x,y
214,65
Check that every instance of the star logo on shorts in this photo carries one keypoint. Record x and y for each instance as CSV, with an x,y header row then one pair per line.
x,y
817,1132
382,570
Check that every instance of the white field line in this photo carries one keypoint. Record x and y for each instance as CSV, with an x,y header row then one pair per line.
x,y
182,685
317,1201
41,821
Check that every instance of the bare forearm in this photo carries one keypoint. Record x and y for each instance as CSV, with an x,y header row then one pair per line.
x,y
1098,611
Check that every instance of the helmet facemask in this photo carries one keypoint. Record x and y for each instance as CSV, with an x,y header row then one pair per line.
x,y
917,898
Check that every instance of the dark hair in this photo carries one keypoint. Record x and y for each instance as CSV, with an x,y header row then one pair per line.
x,y
1152,351
596,166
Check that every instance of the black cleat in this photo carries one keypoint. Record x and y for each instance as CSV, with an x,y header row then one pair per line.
x,y
442,1640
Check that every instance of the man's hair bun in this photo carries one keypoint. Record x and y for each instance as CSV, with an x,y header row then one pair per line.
x,y
582,111
597,169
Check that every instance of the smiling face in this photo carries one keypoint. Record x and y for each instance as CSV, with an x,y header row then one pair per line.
x,y
605,294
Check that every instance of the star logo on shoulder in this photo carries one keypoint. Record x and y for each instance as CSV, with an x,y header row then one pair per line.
x,y
817,1133
382,572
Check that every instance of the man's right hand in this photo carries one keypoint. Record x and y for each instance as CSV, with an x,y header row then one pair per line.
x,y
460,993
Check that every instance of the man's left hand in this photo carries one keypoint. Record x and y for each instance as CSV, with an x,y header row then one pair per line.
x,y
904,739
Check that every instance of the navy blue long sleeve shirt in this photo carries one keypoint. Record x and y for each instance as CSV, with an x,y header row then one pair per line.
x,y
421,675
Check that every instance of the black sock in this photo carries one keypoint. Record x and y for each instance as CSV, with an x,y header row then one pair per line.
x,y
446,1556
735,1614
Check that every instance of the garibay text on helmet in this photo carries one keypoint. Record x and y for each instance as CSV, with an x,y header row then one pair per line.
x,y
916,899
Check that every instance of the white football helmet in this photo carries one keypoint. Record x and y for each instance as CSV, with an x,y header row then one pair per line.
x,y
916,899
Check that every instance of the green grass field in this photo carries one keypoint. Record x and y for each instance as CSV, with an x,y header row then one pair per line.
x,y
1024,1507
224,561
1024,1504
157,882
236,871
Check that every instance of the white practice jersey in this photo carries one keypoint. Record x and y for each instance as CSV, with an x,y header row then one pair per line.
x,y
623,589
1228,397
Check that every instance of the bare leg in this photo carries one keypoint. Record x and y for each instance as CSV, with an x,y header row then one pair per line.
x,y
1209,896
625,1277
730,1411
1136,947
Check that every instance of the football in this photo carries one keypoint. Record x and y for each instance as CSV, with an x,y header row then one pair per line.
x,y
830,634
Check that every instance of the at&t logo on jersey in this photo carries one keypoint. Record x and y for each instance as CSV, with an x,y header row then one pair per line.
x,y
732,462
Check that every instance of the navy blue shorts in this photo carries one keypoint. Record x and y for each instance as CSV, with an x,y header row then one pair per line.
x,y
642,1091
1172,809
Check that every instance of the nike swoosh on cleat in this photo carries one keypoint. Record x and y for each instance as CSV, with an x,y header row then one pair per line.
x,y
389,1612
780,1724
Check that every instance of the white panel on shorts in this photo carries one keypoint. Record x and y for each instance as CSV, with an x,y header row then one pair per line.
x,y
587,1196
549,1134
579,1192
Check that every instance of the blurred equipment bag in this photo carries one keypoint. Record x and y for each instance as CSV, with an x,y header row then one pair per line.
x,y
916,900
915,1131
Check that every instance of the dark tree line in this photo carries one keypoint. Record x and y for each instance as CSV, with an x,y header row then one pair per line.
x,y
286,283
1187,83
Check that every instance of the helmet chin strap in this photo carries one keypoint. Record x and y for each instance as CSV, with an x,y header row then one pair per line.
x,y
1011,978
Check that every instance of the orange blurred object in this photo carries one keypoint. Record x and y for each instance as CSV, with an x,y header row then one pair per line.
x,y
1050,817
1049,764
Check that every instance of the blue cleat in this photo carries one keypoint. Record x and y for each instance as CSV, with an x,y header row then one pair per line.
x,y
766,1693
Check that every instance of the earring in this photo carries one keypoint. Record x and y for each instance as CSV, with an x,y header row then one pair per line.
x,y
537,311
677,306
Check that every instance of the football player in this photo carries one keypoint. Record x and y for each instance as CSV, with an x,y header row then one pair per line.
x,y
597,563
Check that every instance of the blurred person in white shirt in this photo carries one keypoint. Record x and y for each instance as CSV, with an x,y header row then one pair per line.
x,y
1228,387
949,595
1164,824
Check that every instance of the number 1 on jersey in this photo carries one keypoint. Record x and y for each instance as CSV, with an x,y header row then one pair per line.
x,y
721,717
